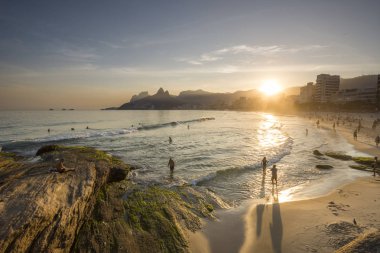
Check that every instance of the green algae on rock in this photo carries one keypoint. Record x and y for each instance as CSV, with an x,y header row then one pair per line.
x,y
324,166
339,156
94,208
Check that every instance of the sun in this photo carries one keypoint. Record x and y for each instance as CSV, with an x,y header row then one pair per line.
x,y
270,87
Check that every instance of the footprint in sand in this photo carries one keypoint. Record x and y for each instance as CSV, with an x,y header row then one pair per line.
x,y
335,208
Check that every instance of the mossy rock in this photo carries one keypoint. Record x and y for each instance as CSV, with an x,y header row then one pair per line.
x,y
117,174
47,149
317,153
364,160
339,156
323,167
360,167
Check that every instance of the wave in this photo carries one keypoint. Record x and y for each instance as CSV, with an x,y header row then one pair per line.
x,y
173,123
19,145
84,134
285,150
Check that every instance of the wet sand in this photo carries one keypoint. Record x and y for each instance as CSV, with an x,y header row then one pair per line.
x,y
321,224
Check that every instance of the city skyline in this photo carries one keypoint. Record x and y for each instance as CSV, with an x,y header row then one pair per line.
x,y
92,54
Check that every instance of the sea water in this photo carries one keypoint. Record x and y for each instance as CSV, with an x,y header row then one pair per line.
x,y
220,150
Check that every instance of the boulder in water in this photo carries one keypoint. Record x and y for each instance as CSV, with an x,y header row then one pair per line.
x,y
324,166
317,152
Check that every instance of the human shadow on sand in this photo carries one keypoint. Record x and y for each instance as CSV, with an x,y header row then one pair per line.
x,y
276,229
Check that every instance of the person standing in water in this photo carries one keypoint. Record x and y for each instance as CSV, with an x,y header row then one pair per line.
x,y
274,174
374,166
170,140
355,134
264,163
171,165
377,141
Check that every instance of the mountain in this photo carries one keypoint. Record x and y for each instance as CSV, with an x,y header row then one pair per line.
x,y
141,95
193,93
190,99
360,82
161,100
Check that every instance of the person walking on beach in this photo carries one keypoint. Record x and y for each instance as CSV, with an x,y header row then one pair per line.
x,y
377,141
307,132
374,166
355,134
264,163
274,174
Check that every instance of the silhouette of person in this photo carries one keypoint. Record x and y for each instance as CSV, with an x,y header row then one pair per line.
x,y
264,163
62,168
171,165
307,132
170,140
274,174
374,166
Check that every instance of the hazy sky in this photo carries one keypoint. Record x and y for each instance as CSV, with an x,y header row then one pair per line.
x,y
97,53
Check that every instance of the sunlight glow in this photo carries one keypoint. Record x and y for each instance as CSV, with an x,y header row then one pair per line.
x,y
270,87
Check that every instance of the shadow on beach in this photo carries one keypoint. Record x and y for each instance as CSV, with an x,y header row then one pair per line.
x,y
276,229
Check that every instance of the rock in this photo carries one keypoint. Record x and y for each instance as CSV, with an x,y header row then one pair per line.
x,y
323,166
339,156
366,242
47,149
43,211
93,209
317,153
117,174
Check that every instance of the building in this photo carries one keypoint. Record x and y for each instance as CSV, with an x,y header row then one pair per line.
x,y
361,88
326,87
307,93
368,95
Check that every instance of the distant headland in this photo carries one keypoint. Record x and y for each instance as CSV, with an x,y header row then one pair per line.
x,y
202,100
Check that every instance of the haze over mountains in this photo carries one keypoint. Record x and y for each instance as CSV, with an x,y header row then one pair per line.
x,y
193,99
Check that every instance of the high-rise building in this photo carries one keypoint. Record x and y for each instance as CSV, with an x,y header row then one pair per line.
x,y
307,93
326,86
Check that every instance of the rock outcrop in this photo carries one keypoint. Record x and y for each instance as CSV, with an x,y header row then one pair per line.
x,y
42,211
94,208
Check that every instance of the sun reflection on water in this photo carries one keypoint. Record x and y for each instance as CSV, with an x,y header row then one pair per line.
x,y
269,134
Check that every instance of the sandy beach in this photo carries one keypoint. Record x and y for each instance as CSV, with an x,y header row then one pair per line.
x,y
346,216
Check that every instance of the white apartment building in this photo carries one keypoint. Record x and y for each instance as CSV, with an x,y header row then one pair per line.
x,y
326,87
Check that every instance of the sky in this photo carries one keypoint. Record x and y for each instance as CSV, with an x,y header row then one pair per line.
x,y
91,54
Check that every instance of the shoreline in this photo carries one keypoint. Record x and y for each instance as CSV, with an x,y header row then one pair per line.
x,y
261,226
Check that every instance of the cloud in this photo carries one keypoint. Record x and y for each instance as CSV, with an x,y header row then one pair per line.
x,y
222,53
81,55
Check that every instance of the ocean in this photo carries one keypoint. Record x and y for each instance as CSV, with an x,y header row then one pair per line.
x,y
219,150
